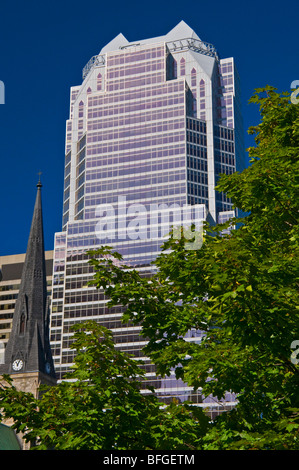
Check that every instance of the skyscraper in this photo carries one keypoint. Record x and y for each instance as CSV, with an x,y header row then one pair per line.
x,y
152,125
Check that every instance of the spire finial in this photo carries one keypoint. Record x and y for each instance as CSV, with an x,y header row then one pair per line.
x,y
39,185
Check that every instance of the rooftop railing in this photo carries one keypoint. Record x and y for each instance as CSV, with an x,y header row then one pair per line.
x,y
173,46
93,62
194,44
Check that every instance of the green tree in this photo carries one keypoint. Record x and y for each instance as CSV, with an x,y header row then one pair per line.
x,y
240,289
100,405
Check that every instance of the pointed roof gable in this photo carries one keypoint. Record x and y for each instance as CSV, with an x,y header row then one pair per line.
x,y
181,31
115,44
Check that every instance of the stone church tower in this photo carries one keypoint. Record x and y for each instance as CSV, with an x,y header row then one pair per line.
x,y
27,358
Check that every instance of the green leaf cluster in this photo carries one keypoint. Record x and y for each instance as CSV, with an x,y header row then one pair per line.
x,y
100,405
240,290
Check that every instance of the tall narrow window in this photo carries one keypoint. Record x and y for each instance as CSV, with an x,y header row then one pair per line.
x,y
22,323
202,88
99,82
81,109
193,77
182,66
88,90
202,103
174,69
80,120
193,89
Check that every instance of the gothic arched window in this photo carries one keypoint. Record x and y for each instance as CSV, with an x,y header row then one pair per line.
x,y
182,66
202,86
99,82
81,109
193,77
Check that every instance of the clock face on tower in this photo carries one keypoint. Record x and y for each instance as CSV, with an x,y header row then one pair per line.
x,y
17,364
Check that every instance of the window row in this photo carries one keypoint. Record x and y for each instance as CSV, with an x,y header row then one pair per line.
x,y
150,166
196,138
197,164
198,177
157,77
133,156
136,69
131,107
172,137
131,95
152,128
147,116
115,59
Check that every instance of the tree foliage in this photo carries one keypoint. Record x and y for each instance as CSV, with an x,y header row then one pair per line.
x,y
99,405
240,289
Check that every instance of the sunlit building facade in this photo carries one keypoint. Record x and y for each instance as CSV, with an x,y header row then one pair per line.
x,y
150,129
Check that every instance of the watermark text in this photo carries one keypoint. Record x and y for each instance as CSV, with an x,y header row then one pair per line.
x,y
294,358
295,86
136,221
2,92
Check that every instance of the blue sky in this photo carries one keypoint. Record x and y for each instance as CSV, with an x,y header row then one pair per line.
x,y
45,45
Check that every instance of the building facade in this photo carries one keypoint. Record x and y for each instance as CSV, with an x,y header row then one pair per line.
x,y
150,129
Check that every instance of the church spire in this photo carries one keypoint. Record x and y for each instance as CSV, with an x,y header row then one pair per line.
x,y
28,349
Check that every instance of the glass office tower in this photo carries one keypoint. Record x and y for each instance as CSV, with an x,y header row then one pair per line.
x,y
150,129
